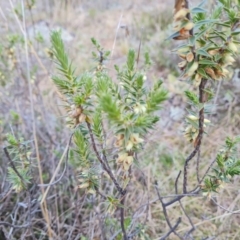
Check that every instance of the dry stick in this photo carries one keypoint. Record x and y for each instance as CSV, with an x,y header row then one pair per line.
x,y
212,219
222,206
23,30
51,183
115,38
14,226
172,228
198,140
44,206
101,226
189,219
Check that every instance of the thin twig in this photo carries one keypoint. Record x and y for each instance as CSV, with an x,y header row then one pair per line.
x,y
222,207
66,151
178,197
99,193
176,182
115,38
13,226
120,190
189,219
209,168
172,229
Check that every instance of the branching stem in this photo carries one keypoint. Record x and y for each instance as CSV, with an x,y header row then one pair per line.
x,y
108,170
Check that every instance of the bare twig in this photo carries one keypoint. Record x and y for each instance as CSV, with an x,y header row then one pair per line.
x,y
209,168
66,151
189,219
99,193
181,205
115,38
108,170
13,226
222,207
172,228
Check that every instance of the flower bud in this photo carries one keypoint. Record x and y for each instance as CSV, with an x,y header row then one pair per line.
x,y
211,73
198,79
181,14
232,46
182,64
192,117
191,70
190,57
189,26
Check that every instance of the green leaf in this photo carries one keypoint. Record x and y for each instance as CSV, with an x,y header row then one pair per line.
x,y
192,97
206,62
127,222
201,4
192,41
64,65
155,98
236,32
131,60
203,53
110,107
176,34
198,10
203,22
202,72
145,122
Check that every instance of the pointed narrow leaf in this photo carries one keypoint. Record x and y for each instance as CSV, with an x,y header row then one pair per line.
x,y
198,10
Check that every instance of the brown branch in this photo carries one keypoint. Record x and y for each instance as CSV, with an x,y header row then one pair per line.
x,y
108,170
176,182
197,166
125,237
198,140
178,197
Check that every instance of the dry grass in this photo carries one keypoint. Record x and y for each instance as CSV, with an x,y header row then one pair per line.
x,y
72,213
